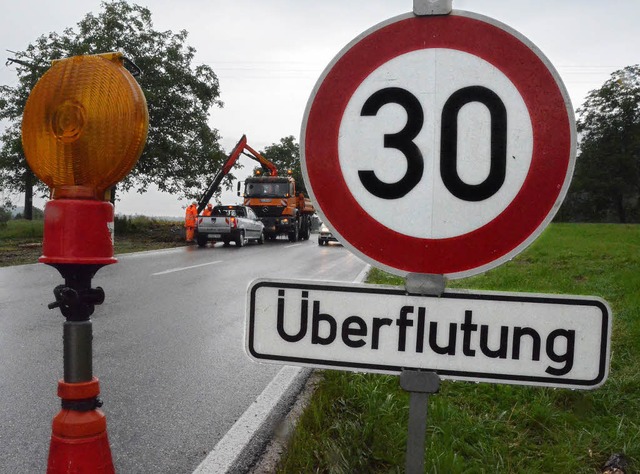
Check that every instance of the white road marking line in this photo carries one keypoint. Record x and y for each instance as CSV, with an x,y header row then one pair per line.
x,y
179,269
292,245
363,274
258,420
147,253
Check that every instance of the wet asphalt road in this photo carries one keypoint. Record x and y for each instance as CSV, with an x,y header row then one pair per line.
x,y
168,350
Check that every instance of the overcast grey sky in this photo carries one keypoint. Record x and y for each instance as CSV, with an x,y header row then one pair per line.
x,y
268,54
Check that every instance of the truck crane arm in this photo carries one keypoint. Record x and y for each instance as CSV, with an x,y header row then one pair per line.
x,y
273,171
239,149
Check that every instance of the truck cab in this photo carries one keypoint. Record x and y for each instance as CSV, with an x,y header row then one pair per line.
x,y
274,200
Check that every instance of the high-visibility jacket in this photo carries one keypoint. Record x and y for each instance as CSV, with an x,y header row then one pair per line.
x,y
191,215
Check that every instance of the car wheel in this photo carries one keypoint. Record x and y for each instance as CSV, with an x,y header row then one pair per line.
x,y
261,239
202,240
240,240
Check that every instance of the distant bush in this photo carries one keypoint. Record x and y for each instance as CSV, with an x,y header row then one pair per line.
x,y
22,229
133,227
37,213
5,216
148,228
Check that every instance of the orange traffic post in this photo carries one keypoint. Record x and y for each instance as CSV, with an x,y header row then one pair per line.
x,y
79,434
84,127
79,441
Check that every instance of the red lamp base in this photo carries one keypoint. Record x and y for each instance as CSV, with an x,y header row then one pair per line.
x,y
78,231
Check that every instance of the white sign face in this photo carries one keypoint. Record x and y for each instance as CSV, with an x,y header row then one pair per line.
x,y
524,339
436,75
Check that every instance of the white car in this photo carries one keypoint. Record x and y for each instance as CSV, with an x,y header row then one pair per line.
x,y
226,224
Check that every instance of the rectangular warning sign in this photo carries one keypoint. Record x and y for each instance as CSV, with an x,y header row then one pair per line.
x,y
513,338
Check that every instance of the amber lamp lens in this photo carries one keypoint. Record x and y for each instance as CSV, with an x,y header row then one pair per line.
x,y
84,125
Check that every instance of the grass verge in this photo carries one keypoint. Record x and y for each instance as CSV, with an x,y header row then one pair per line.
x,y
357,423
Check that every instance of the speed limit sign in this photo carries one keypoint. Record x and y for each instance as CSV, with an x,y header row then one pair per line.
x,y
438,144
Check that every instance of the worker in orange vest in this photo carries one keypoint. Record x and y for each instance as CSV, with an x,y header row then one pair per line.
x,y
190,220
208,211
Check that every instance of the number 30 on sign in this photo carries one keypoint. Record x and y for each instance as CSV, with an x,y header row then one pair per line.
x,y
438,144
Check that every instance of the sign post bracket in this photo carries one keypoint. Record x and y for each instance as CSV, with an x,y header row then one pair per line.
x,y
425,284
419,383
432,7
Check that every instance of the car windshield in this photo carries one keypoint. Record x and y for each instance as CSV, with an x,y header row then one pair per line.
x,y
267,189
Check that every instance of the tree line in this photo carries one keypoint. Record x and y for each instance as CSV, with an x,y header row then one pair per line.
x,y
182,147
606,181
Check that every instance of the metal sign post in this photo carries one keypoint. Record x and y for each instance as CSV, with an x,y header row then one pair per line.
x,y
419,384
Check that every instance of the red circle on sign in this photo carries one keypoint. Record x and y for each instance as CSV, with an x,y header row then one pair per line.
x,y
521,221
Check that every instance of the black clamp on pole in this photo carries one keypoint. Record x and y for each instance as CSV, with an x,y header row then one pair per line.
x,y
420,384
77,301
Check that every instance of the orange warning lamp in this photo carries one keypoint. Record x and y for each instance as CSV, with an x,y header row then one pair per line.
x,y
84,127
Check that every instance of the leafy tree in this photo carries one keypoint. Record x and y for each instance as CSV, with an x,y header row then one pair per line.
x,y
606,182
181,147
286,156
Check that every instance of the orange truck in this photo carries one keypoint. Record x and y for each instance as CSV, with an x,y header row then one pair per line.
x,y
274,199
281,208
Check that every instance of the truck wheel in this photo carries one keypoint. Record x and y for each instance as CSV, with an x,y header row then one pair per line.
x,y
240,240
294,235
202,240
305,229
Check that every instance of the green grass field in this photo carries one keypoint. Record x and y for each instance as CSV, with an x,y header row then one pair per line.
x,y
21,229
357,423
20,239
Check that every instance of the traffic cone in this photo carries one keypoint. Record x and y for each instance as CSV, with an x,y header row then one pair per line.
x,y
79,442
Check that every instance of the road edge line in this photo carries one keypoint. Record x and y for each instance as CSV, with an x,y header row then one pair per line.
x,y
238,450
